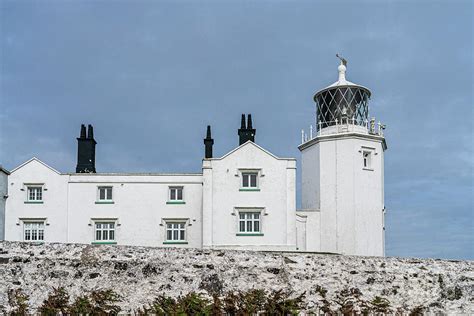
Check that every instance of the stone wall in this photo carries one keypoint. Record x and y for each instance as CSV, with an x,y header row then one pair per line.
x,y
139,274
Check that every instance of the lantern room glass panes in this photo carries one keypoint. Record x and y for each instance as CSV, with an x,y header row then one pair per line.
x,y
344,104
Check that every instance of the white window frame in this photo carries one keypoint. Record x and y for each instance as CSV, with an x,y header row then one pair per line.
x,y
178,226
249,216
34,187
105,187
107,229
176,189
34,226
248,174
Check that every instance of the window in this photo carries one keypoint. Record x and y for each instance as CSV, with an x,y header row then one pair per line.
x,y
104,231
33,231
249,222
176,194
249,180
175,231
35,194
366,159
105,194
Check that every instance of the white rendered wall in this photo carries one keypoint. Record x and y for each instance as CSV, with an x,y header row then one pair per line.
x,y
53,209
3,197
308,225
222,199
69,206
139,206
350,198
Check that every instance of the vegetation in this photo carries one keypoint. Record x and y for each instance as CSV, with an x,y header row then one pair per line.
x,y
95,303
99,302
18,301
252,302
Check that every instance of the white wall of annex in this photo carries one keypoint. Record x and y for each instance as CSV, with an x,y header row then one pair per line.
x,y
53,208
277,197
3,197
139,206
308,224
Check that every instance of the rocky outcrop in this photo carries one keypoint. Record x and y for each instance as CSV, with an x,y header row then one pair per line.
x,y
329,282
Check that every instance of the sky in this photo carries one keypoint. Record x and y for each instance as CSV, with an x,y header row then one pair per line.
x,y
151,75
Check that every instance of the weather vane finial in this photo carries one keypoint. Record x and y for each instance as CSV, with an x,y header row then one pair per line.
x,y
343,60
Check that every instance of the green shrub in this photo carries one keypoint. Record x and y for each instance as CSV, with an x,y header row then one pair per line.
x,y
193,304
251,302
280,303
162,305
57,302
18,301
103,302
380,304
216,306
230,304
81,306
97,302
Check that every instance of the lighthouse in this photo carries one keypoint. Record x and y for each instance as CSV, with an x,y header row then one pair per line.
x,y
343,172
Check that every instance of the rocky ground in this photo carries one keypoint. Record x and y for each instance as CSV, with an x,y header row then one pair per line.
x,y
331,283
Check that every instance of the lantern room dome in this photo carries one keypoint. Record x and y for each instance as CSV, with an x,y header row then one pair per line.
x,y
342,102
343,82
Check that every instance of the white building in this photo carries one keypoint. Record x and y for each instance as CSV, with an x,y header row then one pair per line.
x,y
245,199
3,197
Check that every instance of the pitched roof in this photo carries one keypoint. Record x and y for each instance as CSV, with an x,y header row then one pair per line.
x,y
37,160
250,143
4,170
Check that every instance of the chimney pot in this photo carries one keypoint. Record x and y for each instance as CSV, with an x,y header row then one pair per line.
x,y
242,122
208,142
90,132
83,131
249,121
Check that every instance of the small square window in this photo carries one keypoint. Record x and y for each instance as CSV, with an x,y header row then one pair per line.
x,y
105,194
104,231
35,193
249,222
33,231
249,180
366,156
176,231
176,194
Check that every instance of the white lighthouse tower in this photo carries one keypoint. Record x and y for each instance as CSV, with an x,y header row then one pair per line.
x,y
343,172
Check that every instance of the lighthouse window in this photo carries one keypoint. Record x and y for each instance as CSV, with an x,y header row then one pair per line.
x,y
366,159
